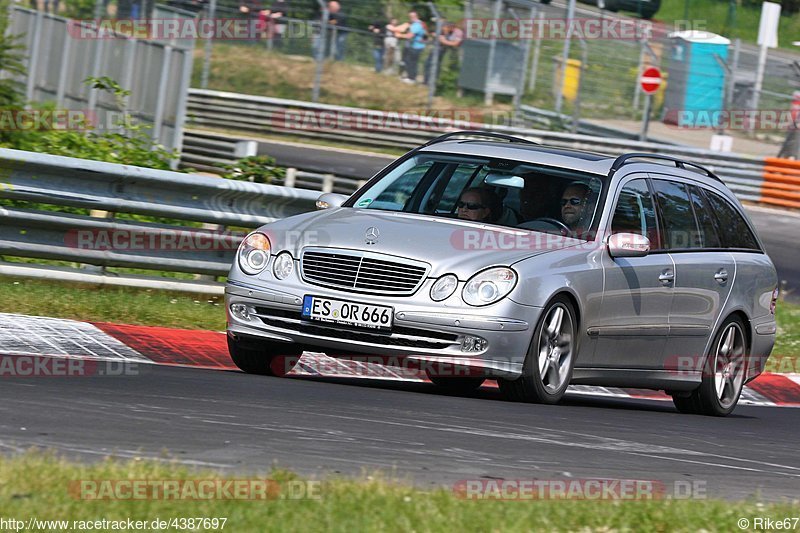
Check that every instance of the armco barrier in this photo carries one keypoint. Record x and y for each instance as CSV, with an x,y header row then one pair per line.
x,y
64,181
252,116
211,151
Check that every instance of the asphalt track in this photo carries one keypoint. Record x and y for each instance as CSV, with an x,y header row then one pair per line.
x,y
778,229
243,423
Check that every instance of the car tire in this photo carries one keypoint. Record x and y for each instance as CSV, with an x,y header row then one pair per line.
x,y
276,359
685,404
457,385
547,369
724,372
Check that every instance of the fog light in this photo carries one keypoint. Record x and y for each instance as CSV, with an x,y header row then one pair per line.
x,y
473,344
444,287
283,265
240,311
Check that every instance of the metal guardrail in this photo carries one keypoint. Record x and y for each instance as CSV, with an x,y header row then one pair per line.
x,y
258,115
209,152
544,118
116,242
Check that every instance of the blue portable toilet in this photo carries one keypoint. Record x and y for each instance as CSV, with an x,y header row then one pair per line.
x,y
695,92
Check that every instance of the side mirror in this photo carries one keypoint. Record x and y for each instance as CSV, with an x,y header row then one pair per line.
x,y
628,245
330,199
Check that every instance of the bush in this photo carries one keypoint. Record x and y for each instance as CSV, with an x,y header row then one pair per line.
x,y
257,168
129,145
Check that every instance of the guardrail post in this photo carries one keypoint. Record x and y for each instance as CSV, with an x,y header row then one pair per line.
x,y
245,149
327,182
291,177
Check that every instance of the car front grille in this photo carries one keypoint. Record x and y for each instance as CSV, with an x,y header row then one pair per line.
x,y
400,336
362,271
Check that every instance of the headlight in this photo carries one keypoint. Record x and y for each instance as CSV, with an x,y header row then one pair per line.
x,y
283,265
254,253
489,286
444,287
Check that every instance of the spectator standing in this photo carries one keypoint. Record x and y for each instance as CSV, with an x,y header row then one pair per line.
x,y
251,9
275,18
416,36
378,29
338,22
451,38
391,52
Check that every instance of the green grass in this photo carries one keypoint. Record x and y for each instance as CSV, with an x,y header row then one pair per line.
x,y
714,14
38,485
111,304
786,354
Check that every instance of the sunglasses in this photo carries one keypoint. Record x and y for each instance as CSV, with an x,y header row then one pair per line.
x,y
471,207
571,201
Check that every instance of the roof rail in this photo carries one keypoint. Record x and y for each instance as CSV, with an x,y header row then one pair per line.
x,y
680,163
478,133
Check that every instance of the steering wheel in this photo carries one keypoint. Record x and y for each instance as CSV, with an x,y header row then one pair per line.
x,y
563,228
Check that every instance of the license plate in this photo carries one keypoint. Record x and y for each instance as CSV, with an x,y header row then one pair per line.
x,y
367,316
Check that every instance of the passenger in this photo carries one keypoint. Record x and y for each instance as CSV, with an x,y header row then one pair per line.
x,y
479,204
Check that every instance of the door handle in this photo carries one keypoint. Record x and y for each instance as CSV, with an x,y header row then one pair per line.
x,y
666,277
721,275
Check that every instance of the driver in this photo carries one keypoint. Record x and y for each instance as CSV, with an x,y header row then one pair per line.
x,y
573,205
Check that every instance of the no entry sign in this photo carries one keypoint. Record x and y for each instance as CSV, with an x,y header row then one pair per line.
x,y
650,80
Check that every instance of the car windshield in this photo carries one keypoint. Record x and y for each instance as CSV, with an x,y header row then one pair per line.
x,y
491,191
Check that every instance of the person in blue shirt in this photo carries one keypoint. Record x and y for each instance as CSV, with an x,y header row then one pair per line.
x,y
416,44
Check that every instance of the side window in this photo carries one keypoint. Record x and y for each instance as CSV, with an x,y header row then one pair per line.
x,y
634,212
680,226
735,231
705,219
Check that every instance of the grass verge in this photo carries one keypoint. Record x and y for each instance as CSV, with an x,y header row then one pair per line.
x,y
122,305
44,486
786,353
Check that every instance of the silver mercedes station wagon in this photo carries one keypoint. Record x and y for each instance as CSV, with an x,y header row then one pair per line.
x,y
538,267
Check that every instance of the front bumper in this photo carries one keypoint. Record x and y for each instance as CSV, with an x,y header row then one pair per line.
x,y
424,331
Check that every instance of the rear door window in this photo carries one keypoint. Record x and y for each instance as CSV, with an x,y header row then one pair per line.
x,y
705,219
678,221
